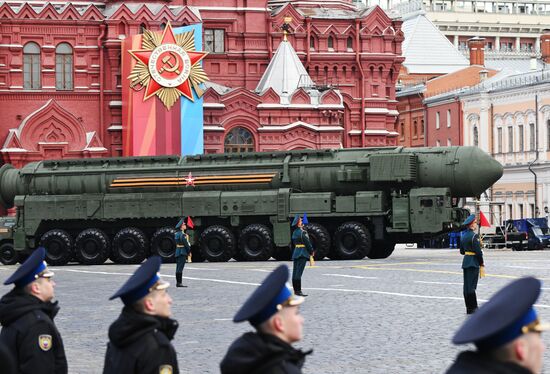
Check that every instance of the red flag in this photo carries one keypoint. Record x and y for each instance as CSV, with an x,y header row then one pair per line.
x,y
483,222
190,223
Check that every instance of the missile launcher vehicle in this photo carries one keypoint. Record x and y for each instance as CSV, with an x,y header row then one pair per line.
x,y
360,202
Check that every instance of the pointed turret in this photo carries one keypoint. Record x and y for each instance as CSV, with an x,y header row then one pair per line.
x,y
285,73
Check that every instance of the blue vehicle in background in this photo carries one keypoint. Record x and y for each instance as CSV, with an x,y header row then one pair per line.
x,y
527,233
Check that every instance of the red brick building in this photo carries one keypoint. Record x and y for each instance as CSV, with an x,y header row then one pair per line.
x,y
60,80
430,114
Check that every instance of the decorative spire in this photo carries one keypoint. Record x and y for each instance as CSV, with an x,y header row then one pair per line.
x,y
286,27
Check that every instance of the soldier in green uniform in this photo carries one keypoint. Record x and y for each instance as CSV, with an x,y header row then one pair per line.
x,y
183,248
302,251
472,263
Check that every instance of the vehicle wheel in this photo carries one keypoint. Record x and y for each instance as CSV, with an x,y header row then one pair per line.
x,y
92,247
217,244
381,249
22,257
255,243
196,255
8,254
282,254
320,239
59,246
352,241
129,246
163,244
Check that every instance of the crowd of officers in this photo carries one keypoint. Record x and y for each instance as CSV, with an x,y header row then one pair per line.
x,y
505,330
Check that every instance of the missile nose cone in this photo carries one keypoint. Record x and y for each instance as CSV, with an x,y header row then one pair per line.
x,y
477,169
489,170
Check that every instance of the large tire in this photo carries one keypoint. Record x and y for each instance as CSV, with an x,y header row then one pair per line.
x,y
282,254
381,249
92,247
255,243
59,247
217,244
320,239
129,246
196,255
163,244
352,241
23,257
8,254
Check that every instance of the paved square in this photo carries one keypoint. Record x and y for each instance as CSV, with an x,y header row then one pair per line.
x,y
371,316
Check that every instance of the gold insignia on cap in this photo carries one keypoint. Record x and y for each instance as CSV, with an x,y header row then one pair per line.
x,y
45,342
165,369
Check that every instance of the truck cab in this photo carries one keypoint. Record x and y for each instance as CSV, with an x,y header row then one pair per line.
x,y
527,233
8,255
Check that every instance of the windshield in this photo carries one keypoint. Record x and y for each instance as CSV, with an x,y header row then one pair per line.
x,y
537,231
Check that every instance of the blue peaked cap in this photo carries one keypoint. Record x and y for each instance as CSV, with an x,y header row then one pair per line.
x,y
141,282
507,315
268,298
30,269
297,218
469,219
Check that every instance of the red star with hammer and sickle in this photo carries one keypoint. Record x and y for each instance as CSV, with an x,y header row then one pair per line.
x,y
190,181
144,56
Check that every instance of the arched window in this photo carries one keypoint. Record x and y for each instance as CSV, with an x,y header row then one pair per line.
x,y
142,28
163,25
31,66
121,29
349,43
330,43
239,140
311,43
64,67
476,136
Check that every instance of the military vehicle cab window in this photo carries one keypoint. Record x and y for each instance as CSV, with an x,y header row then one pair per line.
x,y
427,203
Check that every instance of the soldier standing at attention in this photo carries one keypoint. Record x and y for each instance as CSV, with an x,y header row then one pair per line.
x,y
273,310
183,248
472,263
27,313
302,251
139,340
506,332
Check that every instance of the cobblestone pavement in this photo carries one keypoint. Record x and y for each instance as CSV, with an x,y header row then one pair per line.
x,y
371,316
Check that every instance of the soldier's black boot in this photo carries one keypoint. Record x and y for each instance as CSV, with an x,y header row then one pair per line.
x,y
474,301
471,305
178,280
295,287
299,287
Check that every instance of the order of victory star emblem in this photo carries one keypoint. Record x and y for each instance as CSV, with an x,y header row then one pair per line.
x,y
168,66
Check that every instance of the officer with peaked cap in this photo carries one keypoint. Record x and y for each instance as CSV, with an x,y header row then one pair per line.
x,y
506,332
472,263
273,310
27,313
183,248
139,340
303,249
